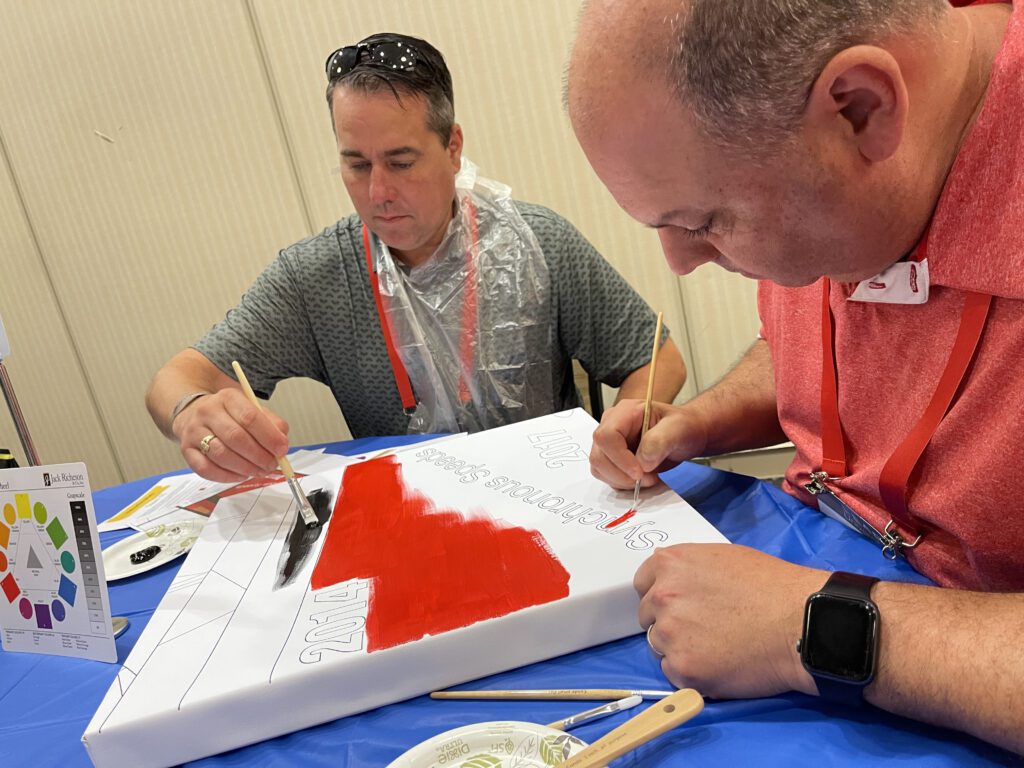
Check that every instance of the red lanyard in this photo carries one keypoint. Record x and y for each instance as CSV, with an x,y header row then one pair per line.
x,y
895,475
468,320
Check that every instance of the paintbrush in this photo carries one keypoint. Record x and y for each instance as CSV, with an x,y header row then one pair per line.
x,y
647,400
577,694
651,723
592,714
305,509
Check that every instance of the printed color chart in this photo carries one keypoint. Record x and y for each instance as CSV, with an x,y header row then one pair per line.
x,y
53,596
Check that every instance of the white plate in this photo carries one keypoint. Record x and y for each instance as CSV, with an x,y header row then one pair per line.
x,y
174,539
499,744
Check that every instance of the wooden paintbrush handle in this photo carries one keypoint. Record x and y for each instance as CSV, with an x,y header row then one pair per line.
x,y
588,694
650,375
282,462
651,723
245,384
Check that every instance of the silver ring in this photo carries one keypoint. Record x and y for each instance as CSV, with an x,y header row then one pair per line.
x,y
654,650
204,444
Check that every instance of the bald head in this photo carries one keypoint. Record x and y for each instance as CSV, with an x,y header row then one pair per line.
x,y
770,137
616,46
743,68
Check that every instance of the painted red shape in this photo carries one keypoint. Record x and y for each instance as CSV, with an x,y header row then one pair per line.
x,y
621,520
205,507
432,570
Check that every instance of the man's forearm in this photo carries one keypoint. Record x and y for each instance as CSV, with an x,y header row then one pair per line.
x,y
952,658
669,377
186,373
740,411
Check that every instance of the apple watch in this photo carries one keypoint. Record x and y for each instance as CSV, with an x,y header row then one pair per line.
x,y
839,646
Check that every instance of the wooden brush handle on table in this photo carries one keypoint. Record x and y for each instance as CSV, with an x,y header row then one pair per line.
x,y
651,723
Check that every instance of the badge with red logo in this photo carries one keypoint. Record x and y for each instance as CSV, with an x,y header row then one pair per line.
x,y
905,282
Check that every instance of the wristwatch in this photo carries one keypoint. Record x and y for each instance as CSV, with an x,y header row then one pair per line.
x,y
839,646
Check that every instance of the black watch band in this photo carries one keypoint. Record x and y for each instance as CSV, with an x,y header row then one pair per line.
x,y
831,684
853,585
839,692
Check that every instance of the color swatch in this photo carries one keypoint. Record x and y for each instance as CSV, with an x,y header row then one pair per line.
x,y
52,595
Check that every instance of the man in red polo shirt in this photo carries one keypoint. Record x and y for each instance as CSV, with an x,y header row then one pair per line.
x,y
863,161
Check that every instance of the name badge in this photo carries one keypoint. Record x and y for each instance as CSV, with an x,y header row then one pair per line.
x,y
905,282
831,505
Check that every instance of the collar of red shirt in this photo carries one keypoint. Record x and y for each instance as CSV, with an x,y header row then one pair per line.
x,y
977,233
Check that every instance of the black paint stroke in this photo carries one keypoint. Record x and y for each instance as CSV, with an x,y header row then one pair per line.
x,y
301,539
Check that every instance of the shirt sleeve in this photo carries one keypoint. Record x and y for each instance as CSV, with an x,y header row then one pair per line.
x,y
602,321
269,332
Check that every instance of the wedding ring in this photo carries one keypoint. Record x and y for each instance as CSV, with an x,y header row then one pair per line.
x,y
654,650
204,444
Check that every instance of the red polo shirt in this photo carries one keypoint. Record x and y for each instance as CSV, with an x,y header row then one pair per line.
x,y
968,488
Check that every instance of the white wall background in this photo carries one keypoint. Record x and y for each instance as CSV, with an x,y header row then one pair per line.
x,y
154,156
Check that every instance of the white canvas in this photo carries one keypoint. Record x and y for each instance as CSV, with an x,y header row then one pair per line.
x,y
230,660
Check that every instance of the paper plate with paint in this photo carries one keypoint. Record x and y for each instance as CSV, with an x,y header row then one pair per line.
x,y
150,548
500,744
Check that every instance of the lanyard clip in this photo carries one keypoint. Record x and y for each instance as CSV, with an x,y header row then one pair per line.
x,y
817,485
889,539
893,543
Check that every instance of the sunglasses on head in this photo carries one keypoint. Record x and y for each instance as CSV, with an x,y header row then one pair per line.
x,y
385,55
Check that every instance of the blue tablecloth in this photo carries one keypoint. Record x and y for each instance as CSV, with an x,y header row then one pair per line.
x,y
47,701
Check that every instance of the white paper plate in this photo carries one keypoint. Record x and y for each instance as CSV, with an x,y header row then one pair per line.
x,y
174,539
498,744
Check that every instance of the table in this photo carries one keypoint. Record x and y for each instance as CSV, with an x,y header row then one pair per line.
x,y
46,702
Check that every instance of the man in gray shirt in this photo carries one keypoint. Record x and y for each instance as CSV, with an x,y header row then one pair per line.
x,y
442,305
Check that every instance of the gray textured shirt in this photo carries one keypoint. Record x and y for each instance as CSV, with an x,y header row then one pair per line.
x,y
311,313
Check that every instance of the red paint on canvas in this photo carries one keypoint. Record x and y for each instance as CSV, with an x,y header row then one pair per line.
x,y
621,520
205,507
433,570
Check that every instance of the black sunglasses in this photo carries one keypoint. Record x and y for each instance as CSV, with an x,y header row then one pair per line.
x,y
387,55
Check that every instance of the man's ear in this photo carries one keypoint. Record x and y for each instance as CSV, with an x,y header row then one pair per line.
x,y
861,95
455,146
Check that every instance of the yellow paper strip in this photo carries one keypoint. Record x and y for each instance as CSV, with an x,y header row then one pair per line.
x,y
140,502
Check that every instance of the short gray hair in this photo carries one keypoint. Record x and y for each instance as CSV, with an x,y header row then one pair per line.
x,y
746,67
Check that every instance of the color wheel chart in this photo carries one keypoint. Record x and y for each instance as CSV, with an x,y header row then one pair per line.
x,y
53,597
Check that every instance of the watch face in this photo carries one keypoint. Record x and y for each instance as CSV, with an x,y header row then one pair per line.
x,y
840,637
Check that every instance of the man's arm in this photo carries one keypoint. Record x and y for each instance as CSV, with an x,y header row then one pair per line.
x,y
247,439
946,657
669,376
186,372
952,658
739,412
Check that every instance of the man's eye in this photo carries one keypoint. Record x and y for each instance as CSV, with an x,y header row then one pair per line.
x,y
697,234
401,166
359,166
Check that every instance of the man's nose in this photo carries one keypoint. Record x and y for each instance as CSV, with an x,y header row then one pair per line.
x,y
683,253
381,189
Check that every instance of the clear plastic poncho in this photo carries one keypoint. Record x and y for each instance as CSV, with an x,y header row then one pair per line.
x,y
473,323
